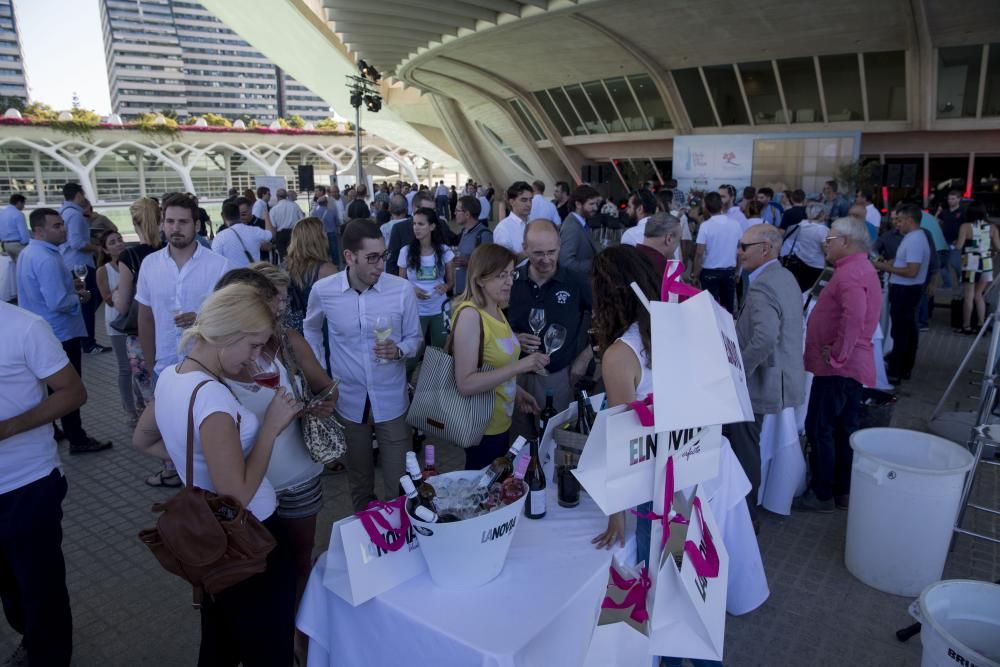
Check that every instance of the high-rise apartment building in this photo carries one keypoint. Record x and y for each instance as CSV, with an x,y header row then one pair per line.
x,y
170,54
12,81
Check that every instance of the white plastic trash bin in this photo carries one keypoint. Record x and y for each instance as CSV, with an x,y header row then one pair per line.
x,y
959,623
906,487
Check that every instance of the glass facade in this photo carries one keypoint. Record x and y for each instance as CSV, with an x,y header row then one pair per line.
x,y
725,91
842,87
695,98
798,81
885,85
958,81
991,94
619,104
528,120
504,148
762,92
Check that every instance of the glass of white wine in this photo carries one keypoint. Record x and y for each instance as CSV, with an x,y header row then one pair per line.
x,y
382,331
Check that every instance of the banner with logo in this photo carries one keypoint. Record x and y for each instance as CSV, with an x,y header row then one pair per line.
x,y
704,162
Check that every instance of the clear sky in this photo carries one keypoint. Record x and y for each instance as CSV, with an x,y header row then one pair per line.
x,y
64,52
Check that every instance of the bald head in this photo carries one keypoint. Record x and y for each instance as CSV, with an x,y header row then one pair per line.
x,y
759,245
541,245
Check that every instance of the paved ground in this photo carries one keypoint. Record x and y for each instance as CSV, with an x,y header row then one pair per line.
x,y
127,611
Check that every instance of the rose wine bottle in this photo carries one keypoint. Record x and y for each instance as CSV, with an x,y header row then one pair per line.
x,y
514,487
429,469
502,467
534,507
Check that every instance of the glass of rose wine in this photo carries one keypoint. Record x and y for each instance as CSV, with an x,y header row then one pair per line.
x,y
264,371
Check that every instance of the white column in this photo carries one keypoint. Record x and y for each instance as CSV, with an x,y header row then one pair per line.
x,y
141,163
229,170
36,162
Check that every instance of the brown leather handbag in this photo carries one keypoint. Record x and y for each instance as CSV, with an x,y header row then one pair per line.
x,y
209,540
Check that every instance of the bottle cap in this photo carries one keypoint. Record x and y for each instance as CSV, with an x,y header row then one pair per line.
x,y
412,466
408,488
429,453
521,466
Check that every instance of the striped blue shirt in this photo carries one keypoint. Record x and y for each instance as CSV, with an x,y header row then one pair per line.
x,y
45,288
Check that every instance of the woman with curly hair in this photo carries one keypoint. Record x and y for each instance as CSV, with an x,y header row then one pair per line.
x,y
622,327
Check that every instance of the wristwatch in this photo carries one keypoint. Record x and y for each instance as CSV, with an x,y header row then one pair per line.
x,y
399,354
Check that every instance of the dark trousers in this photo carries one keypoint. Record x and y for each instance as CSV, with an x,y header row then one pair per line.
x,y
489,448
904,300
90,308
744,437
72,425
253,622
334,241
834,414
281,240
33,572
721,284
441,204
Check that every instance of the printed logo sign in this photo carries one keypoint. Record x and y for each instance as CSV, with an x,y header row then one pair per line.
x,y
371,551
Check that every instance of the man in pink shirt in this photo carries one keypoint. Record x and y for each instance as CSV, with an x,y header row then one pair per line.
x,y
839,354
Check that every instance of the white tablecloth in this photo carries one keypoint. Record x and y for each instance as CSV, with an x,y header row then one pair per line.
x,y
782,465
541,610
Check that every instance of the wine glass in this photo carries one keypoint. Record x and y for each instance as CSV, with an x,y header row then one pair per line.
x,y
555,336
264,371
382,330
536,320
175,310
80,272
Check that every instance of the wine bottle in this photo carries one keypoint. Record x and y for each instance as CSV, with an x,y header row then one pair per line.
x,y
413,505
591,415
502,466
582,424
514,487
429,469
534,507
416,497
548,412
425,492
425,514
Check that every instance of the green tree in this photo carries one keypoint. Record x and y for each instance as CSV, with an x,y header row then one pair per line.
x,y
169,113
10,102
296,121
215,120
327,124
85,116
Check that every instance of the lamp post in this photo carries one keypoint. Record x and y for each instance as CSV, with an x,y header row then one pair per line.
x,y
364,90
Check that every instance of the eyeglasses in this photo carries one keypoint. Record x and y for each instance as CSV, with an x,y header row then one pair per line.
x,y
830,238
744,246
544,254
375,259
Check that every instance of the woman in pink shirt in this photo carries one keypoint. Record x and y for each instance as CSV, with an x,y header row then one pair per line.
x,y
839,354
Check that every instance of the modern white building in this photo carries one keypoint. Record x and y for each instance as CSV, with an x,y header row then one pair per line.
x,y
171,54
12,81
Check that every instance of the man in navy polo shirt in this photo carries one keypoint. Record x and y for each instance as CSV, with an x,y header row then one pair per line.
x,y
565,297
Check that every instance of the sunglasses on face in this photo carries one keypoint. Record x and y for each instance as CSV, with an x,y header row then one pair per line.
x,y
744,246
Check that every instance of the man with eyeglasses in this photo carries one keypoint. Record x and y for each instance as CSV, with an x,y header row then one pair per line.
x,y
769,331
543,283
353,304
839,355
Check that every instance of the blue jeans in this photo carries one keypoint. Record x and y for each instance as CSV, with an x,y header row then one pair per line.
x,y
332,239
721,284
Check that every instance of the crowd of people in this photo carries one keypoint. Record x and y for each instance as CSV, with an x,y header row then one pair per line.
x,y
352,293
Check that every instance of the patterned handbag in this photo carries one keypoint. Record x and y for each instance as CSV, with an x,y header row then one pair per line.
x,y
324,437
439,410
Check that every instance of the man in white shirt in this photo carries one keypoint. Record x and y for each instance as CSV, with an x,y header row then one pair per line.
x,y
715,254
441,206
907,283
32,486
542,208
410,194
641,205
873,217
509,232
241,243
729,207
284,215
484,204
261,206
174,282
373,390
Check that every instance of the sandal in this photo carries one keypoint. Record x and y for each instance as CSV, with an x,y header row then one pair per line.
x,y
162,478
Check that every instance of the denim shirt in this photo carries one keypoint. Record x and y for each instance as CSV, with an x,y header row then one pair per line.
x,y
77,237
45,287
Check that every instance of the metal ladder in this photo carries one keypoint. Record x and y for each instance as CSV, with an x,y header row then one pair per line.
x,y
984,435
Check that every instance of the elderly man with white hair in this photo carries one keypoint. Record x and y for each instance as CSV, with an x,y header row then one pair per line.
x,y
769,331
839,355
